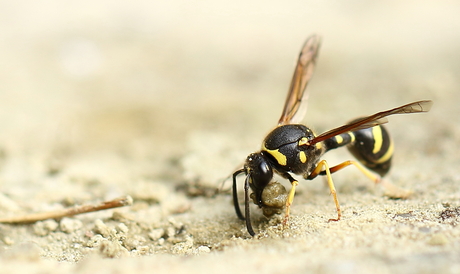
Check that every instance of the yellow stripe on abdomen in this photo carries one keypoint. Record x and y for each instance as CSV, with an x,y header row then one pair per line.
x,y
339,139
387,154
378,140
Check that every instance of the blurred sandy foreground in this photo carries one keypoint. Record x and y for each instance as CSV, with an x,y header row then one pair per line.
x,y
163,100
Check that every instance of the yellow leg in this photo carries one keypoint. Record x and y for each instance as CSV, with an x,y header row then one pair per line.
x,y
322,168
289,200
366,172
318,169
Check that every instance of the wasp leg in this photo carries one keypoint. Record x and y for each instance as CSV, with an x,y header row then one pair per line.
x,y
391,190
290,198
318,171
235,195
246,207
376,179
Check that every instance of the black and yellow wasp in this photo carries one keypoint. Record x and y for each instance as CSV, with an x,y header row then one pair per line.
x,y
293,148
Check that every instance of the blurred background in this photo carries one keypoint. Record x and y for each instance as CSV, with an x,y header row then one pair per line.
x,y
100,99
141,78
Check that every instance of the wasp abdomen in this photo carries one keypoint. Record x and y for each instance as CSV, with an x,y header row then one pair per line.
x,y
373,147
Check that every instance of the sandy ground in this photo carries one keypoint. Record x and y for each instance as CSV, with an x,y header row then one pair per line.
x,y
100,99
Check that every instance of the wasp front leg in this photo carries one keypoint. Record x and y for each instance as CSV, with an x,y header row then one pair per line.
x,y
290,197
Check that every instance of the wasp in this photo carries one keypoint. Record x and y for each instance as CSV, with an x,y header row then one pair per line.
x,y
293,148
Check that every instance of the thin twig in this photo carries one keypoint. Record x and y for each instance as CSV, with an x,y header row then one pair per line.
x,y
67,212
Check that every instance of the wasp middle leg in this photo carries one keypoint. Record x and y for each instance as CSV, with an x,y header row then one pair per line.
x,y
321,167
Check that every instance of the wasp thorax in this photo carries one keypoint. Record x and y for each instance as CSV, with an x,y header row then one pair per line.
x,y
287,134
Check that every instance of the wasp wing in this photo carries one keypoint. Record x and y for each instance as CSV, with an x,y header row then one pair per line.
x,y
296,101
374,120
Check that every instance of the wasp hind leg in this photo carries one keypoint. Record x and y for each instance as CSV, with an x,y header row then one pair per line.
x,y
329,170
375,178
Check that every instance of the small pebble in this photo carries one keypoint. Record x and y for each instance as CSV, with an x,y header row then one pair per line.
x,y
156,234
203,249
43,228
122,228
69,225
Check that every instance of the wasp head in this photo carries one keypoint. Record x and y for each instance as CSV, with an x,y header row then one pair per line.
x,y
259,172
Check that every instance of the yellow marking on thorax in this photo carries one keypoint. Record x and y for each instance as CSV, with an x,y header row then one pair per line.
x,y
378,140
387,154
279,157
303,157
303,141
